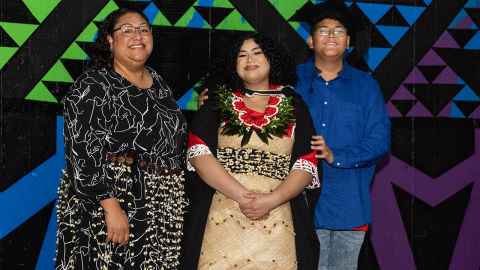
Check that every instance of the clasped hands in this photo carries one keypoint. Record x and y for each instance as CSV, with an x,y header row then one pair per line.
x,y
256,205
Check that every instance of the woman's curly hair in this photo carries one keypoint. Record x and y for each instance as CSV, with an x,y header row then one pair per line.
x,y
102,55
282,67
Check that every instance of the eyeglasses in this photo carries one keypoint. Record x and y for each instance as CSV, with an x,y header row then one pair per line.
x,y
336,32
130,30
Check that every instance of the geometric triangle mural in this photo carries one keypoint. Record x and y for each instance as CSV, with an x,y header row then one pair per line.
x,y
436,94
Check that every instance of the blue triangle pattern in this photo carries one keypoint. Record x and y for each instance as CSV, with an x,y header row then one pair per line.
x,y
392,33
303,30
455,112
410,13
305,26
197,21
374,11
375,56
33,191
472,4
474,43
151,11
456,23
428,2
183,101
466,94
48,246
205,3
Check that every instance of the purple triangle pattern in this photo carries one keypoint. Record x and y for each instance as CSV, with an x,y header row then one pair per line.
x,y
419,111
416,76
475,114
446,41
447,76
431,59
402,94
445,112
392,111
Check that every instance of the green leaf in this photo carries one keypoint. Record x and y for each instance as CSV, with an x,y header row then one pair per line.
x,y
247,137
263,136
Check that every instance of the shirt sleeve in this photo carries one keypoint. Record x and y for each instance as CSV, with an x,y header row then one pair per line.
x,y
86,133
376,142
196,147
203,135
303,158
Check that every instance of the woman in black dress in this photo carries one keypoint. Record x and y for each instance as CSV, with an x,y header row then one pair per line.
x,y
121,197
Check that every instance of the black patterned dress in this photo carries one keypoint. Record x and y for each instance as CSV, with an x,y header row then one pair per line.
x,y
127,143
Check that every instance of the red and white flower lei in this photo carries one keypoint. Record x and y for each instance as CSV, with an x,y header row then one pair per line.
x,y
252,118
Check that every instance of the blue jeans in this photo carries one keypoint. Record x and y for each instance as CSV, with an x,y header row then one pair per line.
x,y
339,250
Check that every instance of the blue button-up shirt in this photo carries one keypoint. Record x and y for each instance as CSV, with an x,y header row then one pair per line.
x,y
349,112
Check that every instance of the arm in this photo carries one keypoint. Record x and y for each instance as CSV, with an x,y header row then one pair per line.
x,y
213,173
262,203
202,137
376,142
303,172
85,136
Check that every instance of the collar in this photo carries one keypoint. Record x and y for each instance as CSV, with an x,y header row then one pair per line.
x,y
345,73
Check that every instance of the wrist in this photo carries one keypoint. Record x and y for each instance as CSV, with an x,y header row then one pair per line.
x,y
110,204
241,196
275,199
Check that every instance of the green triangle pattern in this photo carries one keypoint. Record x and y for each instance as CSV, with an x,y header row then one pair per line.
x,y
107,9
19,32
287,8
88,34
161,20
235,21
192,19
217,3
5,54
58,73
41,93
192,103
74,52
41,9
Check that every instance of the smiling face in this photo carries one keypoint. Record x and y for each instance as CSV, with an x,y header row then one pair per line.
x,y
329,39
253,66
131,42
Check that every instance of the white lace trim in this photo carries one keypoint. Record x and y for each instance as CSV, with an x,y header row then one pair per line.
x,y
195,151
311,168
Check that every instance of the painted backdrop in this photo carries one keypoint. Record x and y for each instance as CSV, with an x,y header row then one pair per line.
x,y
424,53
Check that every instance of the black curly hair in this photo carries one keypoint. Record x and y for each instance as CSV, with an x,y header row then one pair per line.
x,y
102,55
282,67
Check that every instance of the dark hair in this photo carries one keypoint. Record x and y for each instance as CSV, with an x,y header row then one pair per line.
x,y
282,68
335,10
102,55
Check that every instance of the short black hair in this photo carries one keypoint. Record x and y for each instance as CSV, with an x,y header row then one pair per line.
x,y
335,10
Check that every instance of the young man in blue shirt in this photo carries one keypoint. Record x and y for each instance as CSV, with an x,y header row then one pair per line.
x,y
353,134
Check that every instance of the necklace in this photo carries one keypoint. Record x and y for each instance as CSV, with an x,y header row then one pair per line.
x,y
250,92
241,120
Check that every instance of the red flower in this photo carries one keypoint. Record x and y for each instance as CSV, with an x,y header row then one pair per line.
x,y
271,111
273,100
239,105
253,118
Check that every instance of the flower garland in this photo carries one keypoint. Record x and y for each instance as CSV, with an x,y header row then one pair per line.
x,y
241,120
